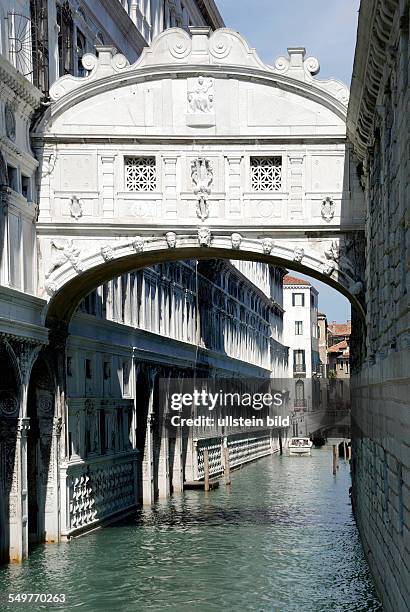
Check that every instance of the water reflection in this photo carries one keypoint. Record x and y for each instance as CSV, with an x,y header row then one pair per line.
x,y
281,538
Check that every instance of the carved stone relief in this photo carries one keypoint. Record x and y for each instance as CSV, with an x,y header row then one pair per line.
x,y
76,208
138,244
236,240
107,252
63,251
267,245
201,97
171,239
298,254
204,236
328,209
202,176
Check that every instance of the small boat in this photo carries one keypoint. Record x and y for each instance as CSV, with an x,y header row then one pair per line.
x,y
300,446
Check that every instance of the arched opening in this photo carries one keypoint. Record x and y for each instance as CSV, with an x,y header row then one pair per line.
x,y
41,455
117,431
9,413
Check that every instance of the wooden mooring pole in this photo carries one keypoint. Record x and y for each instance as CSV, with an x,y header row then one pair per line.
x,y
227,467
335,451
206,469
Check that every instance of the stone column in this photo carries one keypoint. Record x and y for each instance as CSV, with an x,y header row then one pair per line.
x,y
234,188
18,515
296,186
3,243
107,187
148,493
26,353
170,200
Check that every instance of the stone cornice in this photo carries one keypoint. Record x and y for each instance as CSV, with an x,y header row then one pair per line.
x,y
23,332
374,31
18,84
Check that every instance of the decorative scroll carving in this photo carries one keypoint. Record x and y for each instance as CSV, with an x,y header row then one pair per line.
x,y
236,240
204,236
202,176
171,239
76,208
63,251
201,98
328,209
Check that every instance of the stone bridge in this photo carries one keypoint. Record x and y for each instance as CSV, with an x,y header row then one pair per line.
x,y
198,150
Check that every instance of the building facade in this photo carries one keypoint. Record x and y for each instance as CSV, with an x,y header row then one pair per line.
x,y
378,125
322,342
300,300
338,349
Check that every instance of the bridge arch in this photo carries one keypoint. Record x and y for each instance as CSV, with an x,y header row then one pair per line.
x,y
78,277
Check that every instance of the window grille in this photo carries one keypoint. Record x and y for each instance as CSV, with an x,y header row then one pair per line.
x,y
140,174
266,173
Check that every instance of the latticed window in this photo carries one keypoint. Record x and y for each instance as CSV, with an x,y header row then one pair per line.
x,y
140,174
266,173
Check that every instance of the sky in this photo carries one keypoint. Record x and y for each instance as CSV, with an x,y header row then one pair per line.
x,y
327,29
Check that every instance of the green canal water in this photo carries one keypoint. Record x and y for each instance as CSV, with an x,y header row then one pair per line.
x,y
280,538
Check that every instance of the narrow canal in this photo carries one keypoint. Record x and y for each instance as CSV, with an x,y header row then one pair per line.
x,y
280,538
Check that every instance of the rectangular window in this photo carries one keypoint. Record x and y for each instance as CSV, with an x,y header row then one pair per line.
x,y
298,328
126,371
106,370
266,173
299,357
39,35
12,176
88,369
298,299
26,187
69,366
103,437
140,173
65,38
80,49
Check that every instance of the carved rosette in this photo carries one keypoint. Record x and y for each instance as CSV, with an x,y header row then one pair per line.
x,y
8,405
